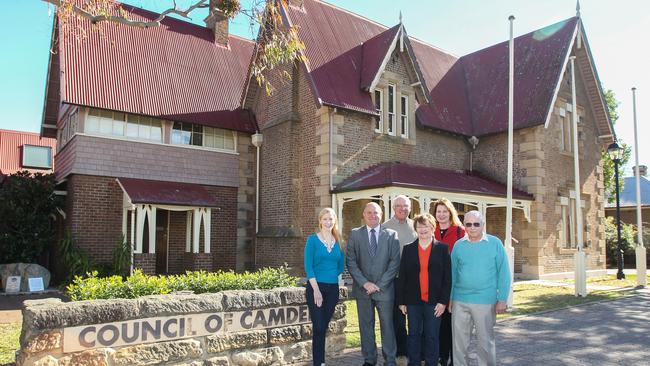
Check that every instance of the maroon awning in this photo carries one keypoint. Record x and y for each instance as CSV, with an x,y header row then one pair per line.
x,y
419,177
166,193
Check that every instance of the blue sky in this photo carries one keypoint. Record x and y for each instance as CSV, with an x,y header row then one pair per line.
x,y
617,33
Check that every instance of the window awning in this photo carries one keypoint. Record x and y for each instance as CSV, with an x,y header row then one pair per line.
x,y
419,177
166,193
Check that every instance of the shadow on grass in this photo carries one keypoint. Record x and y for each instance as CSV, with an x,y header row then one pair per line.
x,y
9,342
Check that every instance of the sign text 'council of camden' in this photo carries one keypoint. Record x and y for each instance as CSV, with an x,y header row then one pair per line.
x,y
159,329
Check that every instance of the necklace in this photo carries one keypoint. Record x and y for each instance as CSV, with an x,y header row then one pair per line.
x,y
329,242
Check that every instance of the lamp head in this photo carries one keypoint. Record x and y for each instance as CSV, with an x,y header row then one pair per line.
x,y
615,152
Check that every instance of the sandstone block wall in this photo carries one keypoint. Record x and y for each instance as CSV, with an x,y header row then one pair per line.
x,y
44,322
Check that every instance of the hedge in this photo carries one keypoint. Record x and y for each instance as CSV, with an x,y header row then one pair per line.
x,y
94,287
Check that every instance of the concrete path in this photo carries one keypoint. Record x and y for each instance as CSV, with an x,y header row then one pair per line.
x,y
609,333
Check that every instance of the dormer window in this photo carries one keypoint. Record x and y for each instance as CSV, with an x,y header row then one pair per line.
x,y
379,107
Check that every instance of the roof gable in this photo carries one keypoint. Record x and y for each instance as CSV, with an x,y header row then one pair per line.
x,y
375,54
175,71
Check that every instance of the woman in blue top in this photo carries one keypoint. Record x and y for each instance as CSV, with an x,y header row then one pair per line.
x,y
323,264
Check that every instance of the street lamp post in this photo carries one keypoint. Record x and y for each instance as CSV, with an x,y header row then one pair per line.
x,y
616,153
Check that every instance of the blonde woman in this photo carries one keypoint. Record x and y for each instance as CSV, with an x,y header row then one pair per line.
x,y
324,262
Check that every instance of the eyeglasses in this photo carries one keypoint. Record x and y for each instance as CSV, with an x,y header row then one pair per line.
x,y
475,224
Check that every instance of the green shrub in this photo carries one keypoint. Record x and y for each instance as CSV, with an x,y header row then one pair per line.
x,y
95,287
628,238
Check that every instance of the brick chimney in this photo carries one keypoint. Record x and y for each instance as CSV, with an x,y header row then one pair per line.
x,y
218,22
642,169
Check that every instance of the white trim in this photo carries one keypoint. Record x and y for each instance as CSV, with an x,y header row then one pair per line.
x,y
188,232
384,62
558,84
224,151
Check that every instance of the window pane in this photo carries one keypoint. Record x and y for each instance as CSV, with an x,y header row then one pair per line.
x,y
404,105
105,126
156,132
229,140
94,112
144,131
131,129
187,127
391,99
92,124
377,100
118,128
197,139
119,116
107,114
37,156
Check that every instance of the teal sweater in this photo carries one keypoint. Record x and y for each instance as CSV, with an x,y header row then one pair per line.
x,y
321,265
480,272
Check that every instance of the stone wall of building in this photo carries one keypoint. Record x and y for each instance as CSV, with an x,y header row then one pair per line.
x,y
45,323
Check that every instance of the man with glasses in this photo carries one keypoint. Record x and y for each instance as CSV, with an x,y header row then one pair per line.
x,y
479,290
401,223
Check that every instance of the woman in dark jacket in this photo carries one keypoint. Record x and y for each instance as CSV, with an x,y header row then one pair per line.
x,y
424,284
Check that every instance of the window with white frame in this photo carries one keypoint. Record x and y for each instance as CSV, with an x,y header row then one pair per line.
x,y
197,135
38,157
404,117
379,108
105,122
391,109
566,130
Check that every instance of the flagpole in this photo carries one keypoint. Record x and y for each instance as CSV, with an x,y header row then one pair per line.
x,y
580,258
640,248
508,239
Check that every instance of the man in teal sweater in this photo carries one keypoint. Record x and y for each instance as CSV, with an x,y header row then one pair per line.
x,y
479,290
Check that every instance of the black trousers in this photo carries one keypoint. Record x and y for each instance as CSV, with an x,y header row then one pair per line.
x,y
321,316
445,337
399,324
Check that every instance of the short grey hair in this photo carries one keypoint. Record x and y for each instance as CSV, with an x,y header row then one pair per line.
x,y
401,196
477,214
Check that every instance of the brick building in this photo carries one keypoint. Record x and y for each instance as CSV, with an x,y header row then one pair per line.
x,y
371,114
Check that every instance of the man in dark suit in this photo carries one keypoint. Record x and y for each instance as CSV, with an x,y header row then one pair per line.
x,y
373,257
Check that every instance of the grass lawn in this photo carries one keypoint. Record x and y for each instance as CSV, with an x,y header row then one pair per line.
x,y
9,336
610,280
528,299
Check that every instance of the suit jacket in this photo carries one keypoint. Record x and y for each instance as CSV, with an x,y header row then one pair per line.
x,y
408,282
379,269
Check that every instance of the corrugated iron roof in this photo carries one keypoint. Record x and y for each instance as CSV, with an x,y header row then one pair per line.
x,y
175,71
373,53
419,177
11,143
627,196
166,193
469,95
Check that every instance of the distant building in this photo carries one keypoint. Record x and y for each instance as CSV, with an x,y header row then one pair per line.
x,y
20,150
628,199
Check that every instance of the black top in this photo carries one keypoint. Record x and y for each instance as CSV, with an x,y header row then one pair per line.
x,y
408,282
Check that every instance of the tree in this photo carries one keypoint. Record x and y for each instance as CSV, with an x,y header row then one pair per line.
x,y
277,43
628,235
28,207
608,164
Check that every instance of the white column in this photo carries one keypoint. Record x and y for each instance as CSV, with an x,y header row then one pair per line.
x,y
135,249
510,251
125,216
422,201
139,231
339,211
206,228
188,232
151,211
196,232
386,200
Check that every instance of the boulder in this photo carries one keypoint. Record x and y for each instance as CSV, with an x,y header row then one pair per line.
x,y
25,271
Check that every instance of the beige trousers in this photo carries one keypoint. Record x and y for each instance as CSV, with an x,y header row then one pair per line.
x,y
481,316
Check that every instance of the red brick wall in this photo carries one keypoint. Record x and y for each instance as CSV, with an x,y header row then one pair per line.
x,y
177,233
146,262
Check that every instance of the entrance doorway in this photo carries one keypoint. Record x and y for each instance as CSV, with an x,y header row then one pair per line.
x,y
162,241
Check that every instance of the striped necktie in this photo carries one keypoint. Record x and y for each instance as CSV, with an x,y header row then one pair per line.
x,y
373,243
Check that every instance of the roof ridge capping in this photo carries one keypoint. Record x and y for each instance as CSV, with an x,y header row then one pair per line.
x,y
424,43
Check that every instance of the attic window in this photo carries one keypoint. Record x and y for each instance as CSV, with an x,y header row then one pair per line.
x,y
38,157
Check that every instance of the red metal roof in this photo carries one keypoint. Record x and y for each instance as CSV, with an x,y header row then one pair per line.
x,y
469,95
166,193
11,143
175,71
373,53
418,177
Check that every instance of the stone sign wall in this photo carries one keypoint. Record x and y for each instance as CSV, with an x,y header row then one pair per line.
x,y
265,327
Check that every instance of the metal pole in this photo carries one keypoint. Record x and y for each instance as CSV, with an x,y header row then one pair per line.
x,y
641,264
510,251
580,257
619,258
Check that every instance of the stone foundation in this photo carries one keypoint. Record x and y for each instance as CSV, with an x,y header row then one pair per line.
x,y
48,324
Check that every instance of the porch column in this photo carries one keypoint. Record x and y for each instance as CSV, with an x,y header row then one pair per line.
x,y
207,214
339,211
196,226
386,200
140,213
482,208
152,228
125,216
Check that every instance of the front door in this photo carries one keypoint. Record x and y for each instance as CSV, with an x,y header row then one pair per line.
x,y
162,242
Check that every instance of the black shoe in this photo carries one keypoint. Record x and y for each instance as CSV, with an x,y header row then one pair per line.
x,y
368,364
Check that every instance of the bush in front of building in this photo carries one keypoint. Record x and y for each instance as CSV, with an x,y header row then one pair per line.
x,y
28,207
94,287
